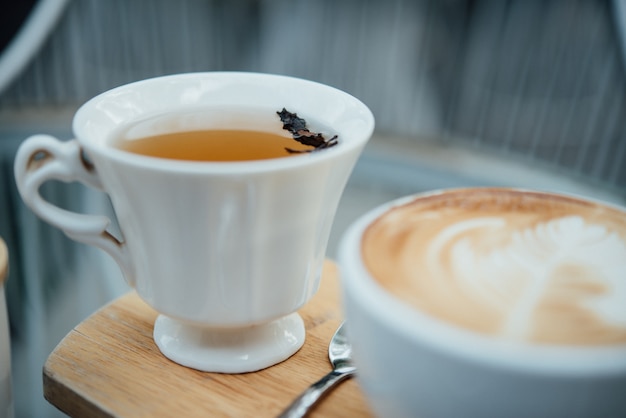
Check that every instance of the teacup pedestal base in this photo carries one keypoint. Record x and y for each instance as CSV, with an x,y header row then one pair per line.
x,y
229,350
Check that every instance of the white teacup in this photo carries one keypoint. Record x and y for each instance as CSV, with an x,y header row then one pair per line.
x,y
486,302
226,252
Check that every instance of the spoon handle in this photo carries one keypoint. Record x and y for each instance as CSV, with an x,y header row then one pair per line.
x,y
303,403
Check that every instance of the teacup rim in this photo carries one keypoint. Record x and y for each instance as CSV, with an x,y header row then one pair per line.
x,y
424,329
254,166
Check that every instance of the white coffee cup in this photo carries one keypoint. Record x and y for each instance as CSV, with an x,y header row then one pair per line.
x,y
415,362
226,252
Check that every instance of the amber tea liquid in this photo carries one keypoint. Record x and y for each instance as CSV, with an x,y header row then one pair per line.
x,y
214,145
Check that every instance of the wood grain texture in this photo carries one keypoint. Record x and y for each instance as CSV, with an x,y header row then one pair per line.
x,y
4,261
109,366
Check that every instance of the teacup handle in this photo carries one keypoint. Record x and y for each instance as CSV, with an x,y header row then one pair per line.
x,y
41,158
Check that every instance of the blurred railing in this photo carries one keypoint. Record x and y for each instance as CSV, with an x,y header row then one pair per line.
x,y
542,80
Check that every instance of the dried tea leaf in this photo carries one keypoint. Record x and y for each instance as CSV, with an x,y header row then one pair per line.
x,y
297,127
291,121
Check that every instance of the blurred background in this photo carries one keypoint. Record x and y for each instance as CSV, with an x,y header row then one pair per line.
x,y
465,93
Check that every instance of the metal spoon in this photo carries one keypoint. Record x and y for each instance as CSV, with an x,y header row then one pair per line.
x,y
339,353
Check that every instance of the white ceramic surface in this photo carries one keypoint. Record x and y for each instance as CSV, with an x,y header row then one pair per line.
x,y
230,350
210,245
412,365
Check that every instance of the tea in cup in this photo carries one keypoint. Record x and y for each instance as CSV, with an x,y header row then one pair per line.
x,y
489,302
224,187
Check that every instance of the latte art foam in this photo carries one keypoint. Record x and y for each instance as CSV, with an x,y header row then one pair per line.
x,y
522,266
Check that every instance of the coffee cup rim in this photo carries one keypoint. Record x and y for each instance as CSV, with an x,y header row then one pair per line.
x,y
420,328
358,138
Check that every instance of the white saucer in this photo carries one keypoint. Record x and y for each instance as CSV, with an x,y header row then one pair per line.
x,y
225,350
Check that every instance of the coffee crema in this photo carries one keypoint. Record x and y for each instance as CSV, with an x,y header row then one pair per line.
x,y
524,266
